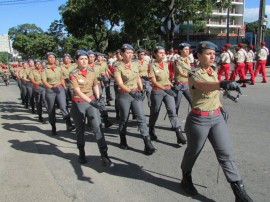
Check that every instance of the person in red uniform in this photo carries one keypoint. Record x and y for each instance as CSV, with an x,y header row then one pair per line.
x,y
261,61
225,64
249,63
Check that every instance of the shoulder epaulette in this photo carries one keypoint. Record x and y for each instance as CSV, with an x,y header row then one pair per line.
x,y
74,71
90,69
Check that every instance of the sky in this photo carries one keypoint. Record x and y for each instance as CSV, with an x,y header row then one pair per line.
x,y
44,12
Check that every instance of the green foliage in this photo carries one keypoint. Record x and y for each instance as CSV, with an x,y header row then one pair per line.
x,y
4,57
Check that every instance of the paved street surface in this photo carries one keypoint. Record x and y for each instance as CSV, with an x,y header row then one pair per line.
x,y
38,167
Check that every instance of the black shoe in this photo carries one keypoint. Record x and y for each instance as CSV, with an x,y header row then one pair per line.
x,y
251,84
33,111
187,184
117,117
82,159
244,86
180,137
152,134
105,160
149,149
240,192
108,103
54,133
123,142
107,123
26,106
69,125
40,119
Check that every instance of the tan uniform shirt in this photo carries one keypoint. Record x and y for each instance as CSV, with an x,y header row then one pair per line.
x,y
161,73
22,73
128,75
53,77
36,75
250,56
225,58
67,69
28,71
143,68
263,53
202,100
84,82
181,64
103,68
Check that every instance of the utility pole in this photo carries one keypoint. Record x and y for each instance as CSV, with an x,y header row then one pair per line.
x,y
260,35
228,25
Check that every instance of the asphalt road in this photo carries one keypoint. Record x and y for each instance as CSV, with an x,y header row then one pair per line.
x,y
38,167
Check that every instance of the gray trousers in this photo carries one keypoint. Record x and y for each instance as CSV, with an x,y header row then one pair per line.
x,y
24,92
184,91
39,95
51,96
79,111
125,101
30,96
69,91
148,89
116,99
157,97
198,129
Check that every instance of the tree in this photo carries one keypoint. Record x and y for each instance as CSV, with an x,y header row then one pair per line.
x,y
31,41
91,17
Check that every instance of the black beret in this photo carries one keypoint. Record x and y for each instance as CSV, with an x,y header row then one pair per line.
x,y
79,53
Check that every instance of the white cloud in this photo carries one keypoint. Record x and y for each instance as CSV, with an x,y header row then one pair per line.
x,y
252,14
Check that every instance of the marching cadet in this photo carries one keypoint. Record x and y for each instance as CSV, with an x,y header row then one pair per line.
x,y
19,68
115,86
129,94
206,121
239,68
262,55
53,80
106,74
29,85
249,63
181,75
143,72
22,75
85,104
38,89
162,92
225,61
97,70
66,68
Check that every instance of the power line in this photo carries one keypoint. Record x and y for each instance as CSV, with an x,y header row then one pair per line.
x,y
22,2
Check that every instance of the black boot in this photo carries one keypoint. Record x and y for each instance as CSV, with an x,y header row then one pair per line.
x,y
180,137
54,130
70,127
152,134
107,123
105,160
123,142
240,192
187,184
149,149
26,105
82,159
40,119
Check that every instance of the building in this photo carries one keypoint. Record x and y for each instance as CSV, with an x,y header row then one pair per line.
x,y
216,24
5,44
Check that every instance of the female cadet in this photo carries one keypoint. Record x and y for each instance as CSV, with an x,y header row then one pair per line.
x,y
129,94
52,78
66,68
29,85
143,71
97,69
206,121
38,89
84,104
161,91
182,64
22,77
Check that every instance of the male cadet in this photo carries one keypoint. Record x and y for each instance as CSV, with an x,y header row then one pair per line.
x,y
239,68
225,60
249,63
262,55
29,85
66,68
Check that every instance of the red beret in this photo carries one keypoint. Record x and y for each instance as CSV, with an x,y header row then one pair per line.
x,y
251,46
175,51
223,48
263,43
227,45
241,45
